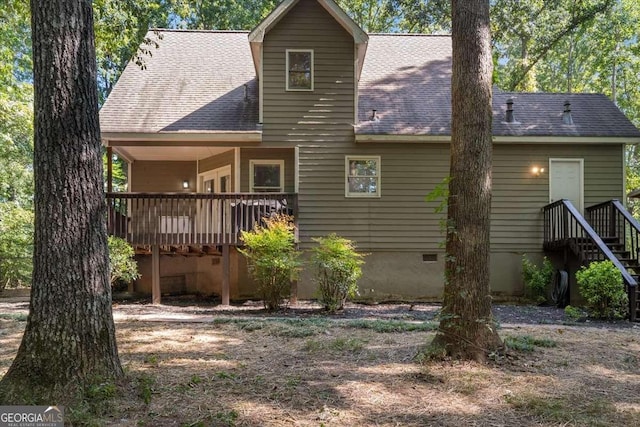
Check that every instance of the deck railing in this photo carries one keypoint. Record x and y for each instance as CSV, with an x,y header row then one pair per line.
x,y
565,226
192,218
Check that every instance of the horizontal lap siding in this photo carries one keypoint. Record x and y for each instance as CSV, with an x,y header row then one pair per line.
x,y
326,113
218,161
401,220
162,176
518,196
286,154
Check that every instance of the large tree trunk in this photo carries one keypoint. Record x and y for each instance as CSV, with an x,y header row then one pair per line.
x,y
466,328
69,338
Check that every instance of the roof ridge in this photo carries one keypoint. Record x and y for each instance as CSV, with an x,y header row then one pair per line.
x,y
410,35
552,93
181,30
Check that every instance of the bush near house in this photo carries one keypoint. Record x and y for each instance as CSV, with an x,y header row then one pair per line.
x,y
338,268
122,264
273,259
601,286
536,279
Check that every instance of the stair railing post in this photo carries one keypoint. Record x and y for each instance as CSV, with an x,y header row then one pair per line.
x,y
612,220
633,302
565,222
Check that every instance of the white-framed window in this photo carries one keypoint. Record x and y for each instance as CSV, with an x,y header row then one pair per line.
x,y
362,176
299,69
266,176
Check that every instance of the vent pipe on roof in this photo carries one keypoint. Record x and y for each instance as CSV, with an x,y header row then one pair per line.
x,y
246,93
374,115
509,118
566,114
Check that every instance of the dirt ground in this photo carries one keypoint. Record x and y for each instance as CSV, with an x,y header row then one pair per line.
x,y
200,365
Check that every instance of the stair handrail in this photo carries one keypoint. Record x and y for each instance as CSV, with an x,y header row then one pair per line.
x,y
590,232
568,209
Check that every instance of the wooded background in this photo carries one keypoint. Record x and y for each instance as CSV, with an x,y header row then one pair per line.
x,y
550,46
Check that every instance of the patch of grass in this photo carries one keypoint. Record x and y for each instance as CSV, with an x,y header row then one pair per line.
x,y
225,375
389,326
18,317
313,346
97,400
152,360
339,344
227,418
144,386
347,344
527,343
563,410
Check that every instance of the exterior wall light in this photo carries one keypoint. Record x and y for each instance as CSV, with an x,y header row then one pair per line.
x,y
537,170
185,184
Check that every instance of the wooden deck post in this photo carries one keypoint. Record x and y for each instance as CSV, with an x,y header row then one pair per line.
x,y
226,273
155,274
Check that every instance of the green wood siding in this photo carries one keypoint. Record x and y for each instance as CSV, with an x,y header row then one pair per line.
x,y
326,113
214,162
401,220
516,218
162,176
286,154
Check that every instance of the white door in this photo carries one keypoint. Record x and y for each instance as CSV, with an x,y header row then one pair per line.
x,y
566,181
214,214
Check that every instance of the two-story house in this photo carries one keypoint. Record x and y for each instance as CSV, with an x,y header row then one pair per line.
x,y
347,131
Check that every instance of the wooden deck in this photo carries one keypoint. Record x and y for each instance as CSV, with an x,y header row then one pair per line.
x,y
192,219
191,224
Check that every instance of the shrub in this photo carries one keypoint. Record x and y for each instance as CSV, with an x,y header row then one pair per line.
x,y
574,313
601,286
272,259
122,264
338,268
536,279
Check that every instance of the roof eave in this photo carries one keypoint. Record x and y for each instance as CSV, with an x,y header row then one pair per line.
x,y
527,139
184,138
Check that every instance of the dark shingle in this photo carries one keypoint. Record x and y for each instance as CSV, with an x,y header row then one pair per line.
x,y
194,82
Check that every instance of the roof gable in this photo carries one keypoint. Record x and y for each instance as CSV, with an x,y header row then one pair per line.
x,y
256,36
258,33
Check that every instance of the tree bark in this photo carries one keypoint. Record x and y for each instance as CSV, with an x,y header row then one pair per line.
x,y
69,339
467,328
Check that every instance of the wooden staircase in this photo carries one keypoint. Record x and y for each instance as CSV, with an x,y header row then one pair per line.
x,y
608,232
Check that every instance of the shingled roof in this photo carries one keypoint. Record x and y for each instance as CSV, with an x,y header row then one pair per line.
x,y
195,83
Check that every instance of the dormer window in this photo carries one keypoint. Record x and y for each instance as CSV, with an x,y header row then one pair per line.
x,y
300,69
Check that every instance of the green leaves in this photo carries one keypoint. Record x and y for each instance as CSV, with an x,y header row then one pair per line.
x,y
338,268
122,264
272,258
601,286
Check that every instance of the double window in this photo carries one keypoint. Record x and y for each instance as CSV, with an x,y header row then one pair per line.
x,y
300,69
266,176
362,176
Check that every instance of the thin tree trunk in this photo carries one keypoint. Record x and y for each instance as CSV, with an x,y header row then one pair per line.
x,y
69,340
467,328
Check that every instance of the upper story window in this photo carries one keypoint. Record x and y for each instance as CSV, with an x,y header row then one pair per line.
x,y
363,176
266,176
300,69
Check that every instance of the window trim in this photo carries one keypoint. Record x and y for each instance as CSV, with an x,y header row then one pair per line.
x,y
254,162
289,89
349,194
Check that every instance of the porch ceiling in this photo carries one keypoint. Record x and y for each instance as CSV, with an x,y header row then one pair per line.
x,y
168,153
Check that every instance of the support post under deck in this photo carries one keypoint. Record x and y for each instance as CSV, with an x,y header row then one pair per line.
x,y
226,273
155,274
